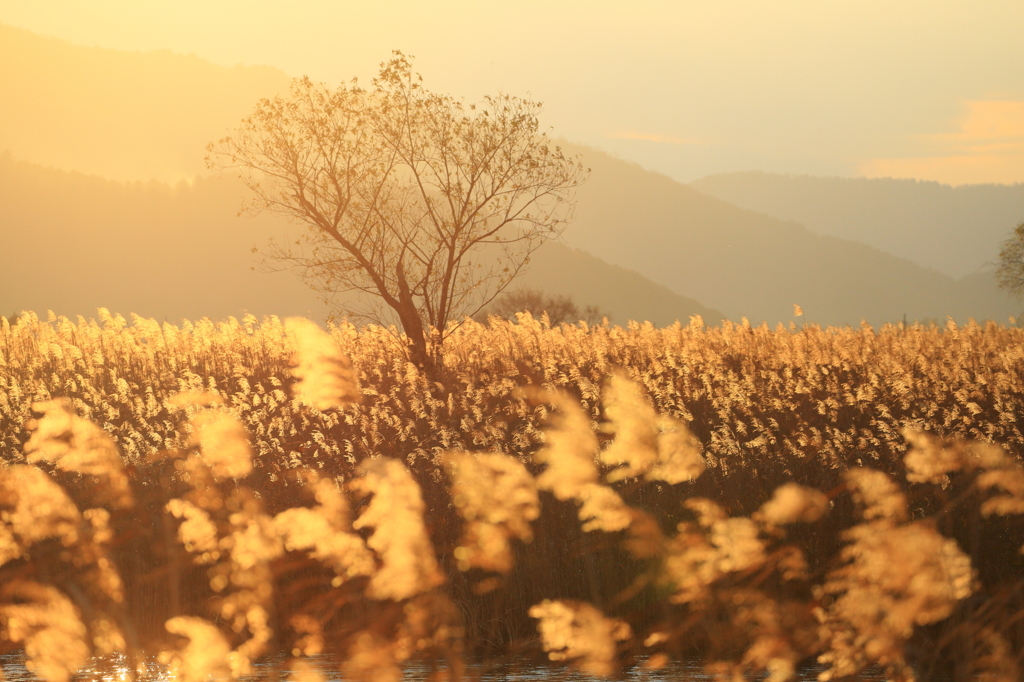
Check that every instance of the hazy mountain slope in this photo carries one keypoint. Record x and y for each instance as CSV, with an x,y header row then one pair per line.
x,y
180,252
131,116
623,294
73,243
122,115
954,230
747,264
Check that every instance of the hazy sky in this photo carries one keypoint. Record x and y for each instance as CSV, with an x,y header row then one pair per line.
x,y
932,89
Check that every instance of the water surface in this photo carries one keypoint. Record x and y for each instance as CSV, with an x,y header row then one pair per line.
x,y
116,670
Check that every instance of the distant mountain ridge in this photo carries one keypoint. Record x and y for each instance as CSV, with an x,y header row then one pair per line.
x,y
73,243
955,230
622,293
752,265
178,250
121,115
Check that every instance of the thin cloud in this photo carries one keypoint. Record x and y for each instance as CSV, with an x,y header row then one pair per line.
x,y
987,148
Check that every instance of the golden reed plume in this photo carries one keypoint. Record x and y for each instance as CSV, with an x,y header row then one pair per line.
x,y
641,433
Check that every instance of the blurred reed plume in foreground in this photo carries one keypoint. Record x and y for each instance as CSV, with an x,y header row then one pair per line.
x,y
757,500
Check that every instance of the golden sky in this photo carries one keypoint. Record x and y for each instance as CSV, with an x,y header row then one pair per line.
x,y
915,88
986,146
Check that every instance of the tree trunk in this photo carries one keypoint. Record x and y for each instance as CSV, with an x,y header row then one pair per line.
x,y
420,352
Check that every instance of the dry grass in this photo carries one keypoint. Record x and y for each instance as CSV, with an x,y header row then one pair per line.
x,y
754,498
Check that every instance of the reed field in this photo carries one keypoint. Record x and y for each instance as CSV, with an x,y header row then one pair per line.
x,y
211,495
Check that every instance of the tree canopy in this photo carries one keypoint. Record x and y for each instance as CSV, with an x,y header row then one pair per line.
x,y
429,205
1010,271
560,309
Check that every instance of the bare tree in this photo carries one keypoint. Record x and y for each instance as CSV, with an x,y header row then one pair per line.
x,y
1010,272
430,206
559,309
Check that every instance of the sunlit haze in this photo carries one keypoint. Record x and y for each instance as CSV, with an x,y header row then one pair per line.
x,y
421,340
924,89
745,155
